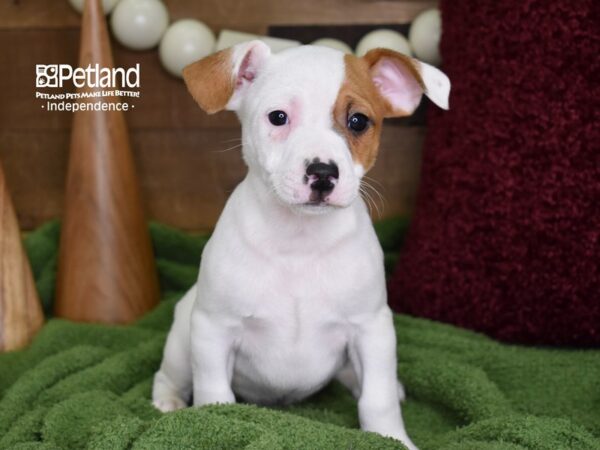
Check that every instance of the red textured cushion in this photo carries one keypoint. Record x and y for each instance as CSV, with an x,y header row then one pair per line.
x,y
505,237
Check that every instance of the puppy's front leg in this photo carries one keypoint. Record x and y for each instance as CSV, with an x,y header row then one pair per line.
x,y
378,404
212,343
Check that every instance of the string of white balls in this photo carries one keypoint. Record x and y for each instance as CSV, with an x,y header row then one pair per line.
x,y
144,24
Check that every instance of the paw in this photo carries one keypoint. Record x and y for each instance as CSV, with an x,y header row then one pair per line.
x,y
169,404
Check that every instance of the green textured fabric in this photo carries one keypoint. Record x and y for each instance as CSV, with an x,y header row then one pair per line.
x,y
88,386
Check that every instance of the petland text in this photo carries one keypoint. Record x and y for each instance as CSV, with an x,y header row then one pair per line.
x,y
93,76
98,83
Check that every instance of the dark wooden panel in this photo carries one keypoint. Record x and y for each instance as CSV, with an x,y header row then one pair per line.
x,y
233,14
35,168
397,170
186,175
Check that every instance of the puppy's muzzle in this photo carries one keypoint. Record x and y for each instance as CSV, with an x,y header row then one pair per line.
x,y
322,178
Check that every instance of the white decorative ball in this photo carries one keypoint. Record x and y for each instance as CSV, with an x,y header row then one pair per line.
x,y
333,43
184,42
139,24
383,38
424,36
108,5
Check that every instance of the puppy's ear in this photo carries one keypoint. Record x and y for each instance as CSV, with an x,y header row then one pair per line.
x,y
401,81
220,80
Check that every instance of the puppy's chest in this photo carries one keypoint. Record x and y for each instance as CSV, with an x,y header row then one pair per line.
x,y
301,283
298,303
294,318
300,289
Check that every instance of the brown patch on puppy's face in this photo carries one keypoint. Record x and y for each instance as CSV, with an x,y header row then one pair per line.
x,y
359,95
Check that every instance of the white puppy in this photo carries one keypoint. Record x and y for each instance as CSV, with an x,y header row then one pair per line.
x,y
291,292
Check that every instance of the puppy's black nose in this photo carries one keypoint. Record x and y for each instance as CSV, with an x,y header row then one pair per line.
x,y
321,175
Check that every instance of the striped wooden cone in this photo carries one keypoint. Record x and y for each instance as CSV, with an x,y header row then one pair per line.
x,y
106,266
21,313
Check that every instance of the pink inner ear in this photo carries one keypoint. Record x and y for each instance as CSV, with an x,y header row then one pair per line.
x,y
397,85
246,72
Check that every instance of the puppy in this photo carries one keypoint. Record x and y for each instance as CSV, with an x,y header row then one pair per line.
x,y
291,292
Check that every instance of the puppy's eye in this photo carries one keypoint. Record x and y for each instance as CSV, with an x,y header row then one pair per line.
x,y
278,118
358,122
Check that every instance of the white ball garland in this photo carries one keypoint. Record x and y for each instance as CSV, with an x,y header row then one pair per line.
x,y
333,43
108,5
139,24
424,36
142,24
184,42
383,38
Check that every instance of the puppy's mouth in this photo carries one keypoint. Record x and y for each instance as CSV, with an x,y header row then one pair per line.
x,y
317,198
303,199
319,204
315,208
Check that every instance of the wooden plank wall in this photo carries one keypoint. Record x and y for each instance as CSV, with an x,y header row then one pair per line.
x,y
185,168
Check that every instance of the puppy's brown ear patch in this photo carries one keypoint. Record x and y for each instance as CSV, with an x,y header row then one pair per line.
x,y
402,81
211,81
397,79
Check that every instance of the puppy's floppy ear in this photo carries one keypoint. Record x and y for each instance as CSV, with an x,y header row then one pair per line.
x,y
402,80
220,80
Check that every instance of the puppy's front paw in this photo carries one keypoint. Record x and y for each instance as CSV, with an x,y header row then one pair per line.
x,y
169,404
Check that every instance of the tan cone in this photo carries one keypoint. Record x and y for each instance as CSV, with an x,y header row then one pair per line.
x,y
21,314
106,266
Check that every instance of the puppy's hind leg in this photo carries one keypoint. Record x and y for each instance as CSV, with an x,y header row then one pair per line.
x,y
172,386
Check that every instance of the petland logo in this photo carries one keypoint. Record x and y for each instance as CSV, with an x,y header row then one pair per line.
x,y
101,82
55,75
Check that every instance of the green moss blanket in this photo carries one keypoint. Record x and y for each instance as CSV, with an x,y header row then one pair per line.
x,y
88,386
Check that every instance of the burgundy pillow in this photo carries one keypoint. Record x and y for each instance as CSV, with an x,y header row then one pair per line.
x,y
505,237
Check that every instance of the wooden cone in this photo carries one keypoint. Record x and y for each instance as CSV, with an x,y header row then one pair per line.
x,y
106,266
21,313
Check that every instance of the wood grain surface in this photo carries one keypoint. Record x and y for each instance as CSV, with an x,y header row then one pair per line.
x,y
21,314
106,269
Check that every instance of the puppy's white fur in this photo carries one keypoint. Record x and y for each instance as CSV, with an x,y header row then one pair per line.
x,y
289,295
